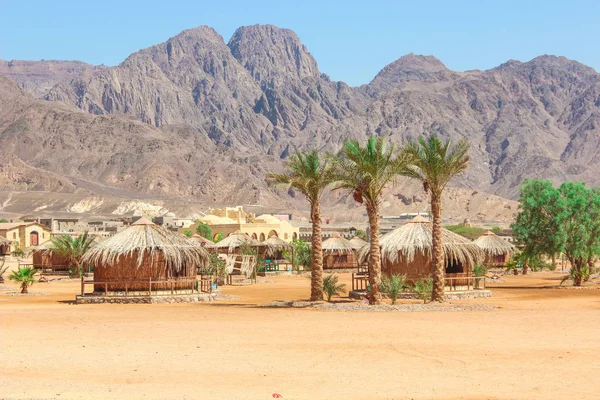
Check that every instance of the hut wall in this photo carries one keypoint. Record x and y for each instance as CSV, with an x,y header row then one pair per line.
x,y
125,269
47,259
339,260
498,261
421,267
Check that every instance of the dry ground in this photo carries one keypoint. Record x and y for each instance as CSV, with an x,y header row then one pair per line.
x,y
542,344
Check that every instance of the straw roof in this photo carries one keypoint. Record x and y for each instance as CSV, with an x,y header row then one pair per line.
x,y
202,240
274,244
416,236
493,244
338,244
357,242
235,240
4,241
144,236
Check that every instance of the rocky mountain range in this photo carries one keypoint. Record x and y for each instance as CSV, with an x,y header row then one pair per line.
x,y
200,119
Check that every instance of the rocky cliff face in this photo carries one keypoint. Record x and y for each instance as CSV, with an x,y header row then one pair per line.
x,y
196,117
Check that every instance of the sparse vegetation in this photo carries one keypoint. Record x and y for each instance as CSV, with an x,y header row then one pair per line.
x,y
24,276
73,249
393,286
3,269
479,270
470,232
302,255
331,286
424,289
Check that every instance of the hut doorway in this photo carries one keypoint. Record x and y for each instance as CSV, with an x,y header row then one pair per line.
x,y
454,267
34,239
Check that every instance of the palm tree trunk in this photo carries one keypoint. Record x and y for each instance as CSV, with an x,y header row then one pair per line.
x,y
437,252
374,254
316,284
24,288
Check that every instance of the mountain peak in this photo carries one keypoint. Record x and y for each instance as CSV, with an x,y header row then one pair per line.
x,y
272,54
418,62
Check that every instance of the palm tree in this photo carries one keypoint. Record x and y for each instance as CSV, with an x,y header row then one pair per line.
x,y
310,176
24,276
366,171
434,164
73,249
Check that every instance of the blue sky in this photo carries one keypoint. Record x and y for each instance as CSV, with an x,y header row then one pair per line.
x,y
351,40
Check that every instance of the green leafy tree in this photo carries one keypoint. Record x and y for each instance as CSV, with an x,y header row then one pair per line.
x,y
188,233
539,226
73,250
203,229
24,276
301,255
435,163
219,237
581,222
365,172
332,287
309,175
362,234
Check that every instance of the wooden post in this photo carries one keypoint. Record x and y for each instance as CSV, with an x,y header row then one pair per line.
x,y
82,287
149,286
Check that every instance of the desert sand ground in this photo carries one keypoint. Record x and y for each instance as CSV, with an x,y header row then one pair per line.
x,y
543,343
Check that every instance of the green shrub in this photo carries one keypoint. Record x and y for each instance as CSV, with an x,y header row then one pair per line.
x,y
331,287
470,232
479,270
188,233
496,229
204,230
302,255
423,288
393,287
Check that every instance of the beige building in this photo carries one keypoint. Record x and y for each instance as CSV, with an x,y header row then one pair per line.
x,y
227,220
27,234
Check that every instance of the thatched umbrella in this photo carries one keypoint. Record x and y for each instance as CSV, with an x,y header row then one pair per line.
x,y
496,249
236,240
202,240
408,248
145,251
274,244
358,243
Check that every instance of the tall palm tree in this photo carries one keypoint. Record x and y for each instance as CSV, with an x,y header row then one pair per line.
x,y
310,176
435,163
365,172
72,248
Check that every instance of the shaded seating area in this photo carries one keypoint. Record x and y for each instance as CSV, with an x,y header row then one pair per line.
x,y
272,250
497,250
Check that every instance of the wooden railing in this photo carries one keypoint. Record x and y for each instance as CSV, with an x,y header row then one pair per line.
x,y
203,285
452,284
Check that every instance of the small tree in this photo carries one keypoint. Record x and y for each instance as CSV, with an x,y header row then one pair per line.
x,y
188,233
203,229
424,289
393,287
331,287
301,255
24,276
362,234
219,237
73,250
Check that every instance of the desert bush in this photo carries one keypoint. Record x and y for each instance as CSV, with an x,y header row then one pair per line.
x,y
331,287
393,286
423,288
479,270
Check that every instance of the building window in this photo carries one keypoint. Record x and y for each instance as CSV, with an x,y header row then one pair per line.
x,y
14,235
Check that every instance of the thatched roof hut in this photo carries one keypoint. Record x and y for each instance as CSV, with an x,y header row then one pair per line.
x,y
407,250
144,252
497,250
44,258
274,245
358,243
338,253
236,240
